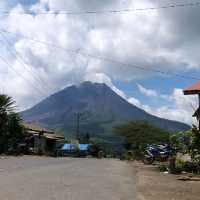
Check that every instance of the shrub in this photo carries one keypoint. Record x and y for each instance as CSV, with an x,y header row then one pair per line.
x,y
192,167
162,167
127,155
188,166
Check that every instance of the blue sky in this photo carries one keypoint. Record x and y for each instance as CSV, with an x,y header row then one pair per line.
x,y
152,40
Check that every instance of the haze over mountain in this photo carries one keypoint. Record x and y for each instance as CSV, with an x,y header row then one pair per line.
x,y
100,107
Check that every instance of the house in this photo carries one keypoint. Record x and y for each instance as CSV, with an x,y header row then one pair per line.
x,y
43,141
194,90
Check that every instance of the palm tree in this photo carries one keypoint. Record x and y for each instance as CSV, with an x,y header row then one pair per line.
x,y
6,104
11,128
6,107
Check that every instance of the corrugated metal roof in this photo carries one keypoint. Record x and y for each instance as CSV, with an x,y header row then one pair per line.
x,y
32,129
53,136
193,89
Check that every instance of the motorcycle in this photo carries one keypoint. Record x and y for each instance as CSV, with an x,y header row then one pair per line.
x,y
159,153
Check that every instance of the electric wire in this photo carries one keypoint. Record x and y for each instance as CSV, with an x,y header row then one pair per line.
x,y
19,74
113,11
106,59
21,60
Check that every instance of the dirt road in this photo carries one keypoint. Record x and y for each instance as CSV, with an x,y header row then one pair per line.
x,y
153,185
37,178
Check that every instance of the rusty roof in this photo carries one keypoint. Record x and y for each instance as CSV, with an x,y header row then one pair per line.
x,y
54,136
35,130
33,127
193,89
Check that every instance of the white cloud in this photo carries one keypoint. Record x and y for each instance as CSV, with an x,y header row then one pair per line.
x,y
180,108
134,101
147,92
152,93
147,39
102,78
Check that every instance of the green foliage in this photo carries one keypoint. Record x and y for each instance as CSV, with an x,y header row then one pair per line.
x,y
6,104
195,145
179,166
127,155
16,132
188,166
139,133
191,167
181,141
11,129
188,142
102,144
85,139
95,147
162,167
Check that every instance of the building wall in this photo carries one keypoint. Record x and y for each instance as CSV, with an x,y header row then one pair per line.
x,y
39,145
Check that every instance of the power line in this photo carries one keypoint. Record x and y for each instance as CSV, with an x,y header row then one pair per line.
x,y
38,88
21,60
128,10
102,58
19,74
42,93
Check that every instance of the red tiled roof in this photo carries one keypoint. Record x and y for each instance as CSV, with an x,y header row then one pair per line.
x,y
193,89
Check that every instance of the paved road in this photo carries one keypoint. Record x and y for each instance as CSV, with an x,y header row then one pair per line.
x,y
36,178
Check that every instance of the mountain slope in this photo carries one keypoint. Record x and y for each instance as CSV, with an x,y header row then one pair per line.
x,y
101,109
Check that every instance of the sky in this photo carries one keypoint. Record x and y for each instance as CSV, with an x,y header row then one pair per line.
x,y
102,47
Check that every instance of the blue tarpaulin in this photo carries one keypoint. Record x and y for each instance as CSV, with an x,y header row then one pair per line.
x,y
83,147
70,147
66,147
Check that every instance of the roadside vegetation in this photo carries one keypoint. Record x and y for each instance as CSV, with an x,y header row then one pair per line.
x,y
11,128
185,145
187,148
137,135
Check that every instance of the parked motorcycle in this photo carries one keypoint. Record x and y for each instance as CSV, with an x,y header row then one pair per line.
x,y
159,153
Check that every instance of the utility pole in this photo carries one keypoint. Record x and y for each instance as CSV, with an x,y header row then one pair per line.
x,y
78,118
198,110
77,125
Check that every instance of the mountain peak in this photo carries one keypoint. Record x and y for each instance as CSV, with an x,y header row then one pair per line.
x,y
105,109
92,84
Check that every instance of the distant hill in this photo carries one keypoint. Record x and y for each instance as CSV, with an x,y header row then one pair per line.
x,y
100,107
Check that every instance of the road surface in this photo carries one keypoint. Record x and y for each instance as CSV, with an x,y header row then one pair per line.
x,y
41,178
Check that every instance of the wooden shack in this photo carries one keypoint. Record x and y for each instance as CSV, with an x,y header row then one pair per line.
x,y
43,141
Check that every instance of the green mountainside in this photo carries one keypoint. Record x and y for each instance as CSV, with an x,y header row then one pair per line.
x,y
100,110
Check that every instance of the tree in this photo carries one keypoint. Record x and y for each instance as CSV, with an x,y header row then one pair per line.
x,y
181,141
11,129
138,134
187,142
195,145
6,107
6,104
16,132
85,139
